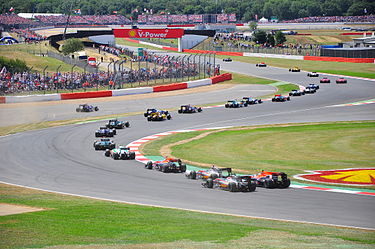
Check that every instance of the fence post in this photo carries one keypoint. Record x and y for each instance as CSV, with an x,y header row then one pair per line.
x,y
57,73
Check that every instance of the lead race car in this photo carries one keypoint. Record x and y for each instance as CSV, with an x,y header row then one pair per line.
x,y
294,69
167,165
213,173
105,132
121,152
272,179
86,108
104,143
251,101
117,124
232,183
235,104
280,98
189,109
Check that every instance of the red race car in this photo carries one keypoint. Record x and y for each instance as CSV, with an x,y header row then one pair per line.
x,y
262,64
272,179
325,80
341,81
280,98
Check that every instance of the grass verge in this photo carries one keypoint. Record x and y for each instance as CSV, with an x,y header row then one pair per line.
x,y
292,149
75,222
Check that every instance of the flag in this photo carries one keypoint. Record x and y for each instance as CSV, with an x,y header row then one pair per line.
x,y
11,9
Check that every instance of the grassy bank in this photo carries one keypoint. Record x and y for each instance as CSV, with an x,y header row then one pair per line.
x,y
292,149
77,222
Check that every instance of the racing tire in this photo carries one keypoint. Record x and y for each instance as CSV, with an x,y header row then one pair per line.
x,y
252,186
115,156
269,183
285,184
183,167
148,165
107,153
226,106
132,156
127,124
148,118
164,169
245,104
288,99
77,109
193,174
96,148
169,117
210,183
199,109
96,108
232,187
179,111
97,135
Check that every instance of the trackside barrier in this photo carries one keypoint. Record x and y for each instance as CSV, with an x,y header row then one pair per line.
x,y
356,33
170,87
130,91
221,78
280,56
120,92
196,83
85,95
339,59
32,98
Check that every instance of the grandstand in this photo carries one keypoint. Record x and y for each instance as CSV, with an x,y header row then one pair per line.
x,y
186,19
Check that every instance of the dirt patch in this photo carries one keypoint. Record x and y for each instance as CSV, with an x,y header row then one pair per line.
x,y
125,97
9,209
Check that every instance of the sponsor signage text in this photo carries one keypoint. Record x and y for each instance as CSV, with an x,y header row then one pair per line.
x,y
148,33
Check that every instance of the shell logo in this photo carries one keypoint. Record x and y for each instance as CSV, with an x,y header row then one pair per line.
x,y
363,177
132,33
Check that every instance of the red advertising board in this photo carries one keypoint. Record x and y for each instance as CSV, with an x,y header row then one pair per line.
x,y
148,33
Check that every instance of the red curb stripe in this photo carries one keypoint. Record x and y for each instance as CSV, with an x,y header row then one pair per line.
x,y
316,188
366,193
2,100
84,95
170,87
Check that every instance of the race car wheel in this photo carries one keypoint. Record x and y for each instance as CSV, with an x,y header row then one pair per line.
x,y
232,187
210,183
96,108
164,169
288,98
269,183
107,153
115,156
183,167
77,109
132,156
226,105
179,111
127,124
285,184
169,117
193,174
148,165
199,109
252,186
148,118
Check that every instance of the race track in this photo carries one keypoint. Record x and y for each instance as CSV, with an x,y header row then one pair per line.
x,y
63,159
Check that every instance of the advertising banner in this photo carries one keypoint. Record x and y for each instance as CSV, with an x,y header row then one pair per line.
x,y
148,33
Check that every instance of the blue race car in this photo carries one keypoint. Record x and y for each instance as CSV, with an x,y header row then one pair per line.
x,y
104,143
235,104
86,108
189,109
105,132
251,101
117,124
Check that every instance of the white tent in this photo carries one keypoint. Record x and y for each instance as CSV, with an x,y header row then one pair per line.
x,y
263,19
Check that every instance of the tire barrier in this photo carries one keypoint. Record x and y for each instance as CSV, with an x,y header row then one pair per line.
x,y
120,92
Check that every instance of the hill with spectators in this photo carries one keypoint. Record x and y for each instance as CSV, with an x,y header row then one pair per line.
x,y
244,10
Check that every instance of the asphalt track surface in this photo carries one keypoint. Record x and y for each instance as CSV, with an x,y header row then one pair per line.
x,y
63,159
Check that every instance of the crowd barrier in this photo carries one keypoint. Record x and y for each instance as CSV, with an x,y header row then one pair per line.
x,y
340,59
120,92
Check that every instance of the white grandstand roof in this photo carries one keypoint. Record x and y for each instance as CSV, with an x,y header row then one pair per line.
x,y
32,15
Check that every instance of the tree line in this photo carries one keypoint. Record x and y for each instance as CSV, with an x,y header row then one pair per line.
x,y
245,10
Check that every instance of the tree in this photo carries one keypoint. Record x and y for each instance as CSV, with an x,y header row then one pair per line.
x,y
253,26
271,40
280,37
71,46
260,36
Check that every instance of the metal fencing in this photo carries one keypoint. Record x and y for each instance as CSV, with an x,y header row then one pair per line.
x,y
71,61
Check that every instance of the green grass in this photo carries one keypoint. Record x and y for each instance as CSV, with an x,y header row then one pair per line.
x,y
77,221
292,149
121,41
25,52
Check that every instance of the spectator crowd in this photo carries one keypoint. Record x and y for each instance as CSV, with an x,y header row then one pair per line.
x,y
314,19
186,19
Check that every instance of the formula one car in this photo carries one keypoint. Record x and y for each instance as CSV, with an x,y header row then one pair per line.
x,y
262,64
341,81
121,152
105,132
104,143
235,104
152,110
313,74
272,179
296,92
117,124
167,165
189,109
227,59
280,98
310,90
251,101
86,108
158,116
313,86
212,173
294,69
325,80
232,183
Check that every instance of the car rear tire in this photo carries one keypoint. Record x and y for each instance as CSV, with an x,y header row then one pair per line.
x,y
164,169
232,187
127,124
252,186
132,156
96,108
210,183
183,167
269,184
148,165
193,174
285,184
